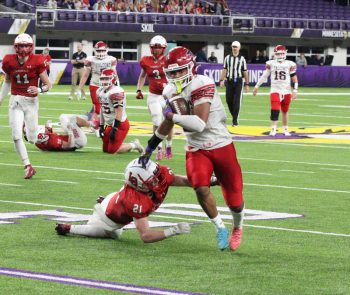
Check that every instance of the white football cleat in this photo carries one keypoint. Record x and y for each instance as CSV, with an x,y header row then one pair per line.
x,y
273,132
286,133
138,146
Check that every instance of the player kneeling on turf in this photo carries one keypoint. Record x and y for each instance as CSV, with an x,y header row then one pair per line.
x,y
114,124
144,190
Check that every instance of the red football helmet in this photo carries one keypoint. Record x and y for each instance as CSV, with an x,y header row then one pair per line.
x,y
24,45
280,52
158,45
144,179
42,138
180,67
101,49
107,78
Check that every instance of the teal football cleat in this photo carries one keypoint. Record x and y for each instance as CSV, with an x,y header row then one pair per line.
x,y
222,238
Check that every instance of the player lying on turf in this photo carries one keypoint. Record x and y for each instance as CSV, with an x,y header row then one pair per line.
x,y
144,190
72,139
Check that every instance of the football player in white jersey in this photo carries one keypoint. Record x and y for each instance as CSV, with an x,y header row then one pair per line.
x,y
94,64
282,72
114,124
209,144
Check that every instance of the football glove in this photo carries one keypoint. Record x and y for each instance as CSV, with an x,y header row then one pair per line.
x,y
101,131
113,134
139,94
180,228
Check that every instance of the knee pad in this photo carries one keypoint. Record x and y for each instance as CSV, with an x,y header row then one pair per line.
x,y
274,115
16,135
157,119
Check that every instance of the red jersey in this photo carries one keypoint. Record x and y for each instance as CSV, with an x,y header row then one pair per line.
x,y
155,73
54,143
129,203
25,75
47,61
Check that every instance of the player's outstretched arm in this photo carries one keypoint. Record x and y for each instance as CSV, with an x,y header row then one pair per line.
x,y
86,73
149,235
140,83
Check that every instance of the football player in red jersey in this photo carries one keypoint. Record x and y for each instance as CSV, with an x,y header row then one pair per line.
x,y
152,68
74,137
209,145
22,72
144,190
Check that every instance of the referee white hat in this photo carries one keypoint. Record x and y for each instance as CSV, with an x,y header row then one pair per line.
x,y
236,44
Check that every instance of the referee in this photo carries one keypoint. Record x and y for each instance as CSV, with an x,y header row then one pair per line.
x,y
235,69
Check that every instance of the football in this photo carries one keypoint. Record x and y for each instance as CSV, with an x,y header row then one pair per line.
x,y
179,105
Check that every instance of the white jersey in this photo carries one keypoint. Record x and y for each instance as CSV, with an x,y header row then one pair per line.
x,y
280,75
97,65
110,100
202,90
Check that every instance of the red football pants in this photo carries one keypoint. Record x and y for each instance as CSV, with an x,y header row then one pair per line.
x,y
201,164
112,147
94,98
280,104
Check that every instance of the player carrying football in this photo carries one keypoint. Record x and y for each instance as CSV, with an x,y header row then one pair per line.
x,y
22,72
282,71
144,190
152,68
209,144
114,124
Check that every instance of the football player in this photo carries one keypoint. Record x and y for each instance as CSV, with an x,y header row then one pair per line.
x,y
209,144
22,72
95,64
114,124
144,190
74,137
282,71
152,68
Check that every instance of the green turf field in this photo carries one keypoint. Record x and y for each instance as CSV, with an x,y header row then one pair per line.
x,y
302,176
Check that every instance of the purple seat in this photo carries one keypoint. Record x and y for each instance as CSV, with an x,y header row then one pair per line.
x,y
216,21
81,16
284,23
62,15
260,22
161,19
113,17
335,26
320,25
207,21
199,21
10,3
268,23
169,19
103,17
328,25
90,16
277,23
178,20
122,18
46,16
72,16
312,25
187,20
130,18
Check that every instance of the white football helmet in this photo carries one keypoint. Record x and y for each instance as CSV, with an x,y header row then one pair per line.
x,y
143,179
107,78
101,49
24,45
158,45
280,52
42,138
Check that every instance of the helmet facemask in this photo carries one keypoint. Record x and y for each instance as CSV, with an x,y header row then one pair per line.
x,y
107,79
42,138
180,76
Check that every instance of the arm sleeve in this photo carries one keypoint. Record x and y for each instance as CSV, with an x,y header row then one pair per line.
x,y
264,76
189,122
244,64
117,99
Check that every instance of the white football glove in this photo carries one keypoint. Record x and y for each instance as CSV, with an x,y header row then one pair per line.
x,y
180,228
213,181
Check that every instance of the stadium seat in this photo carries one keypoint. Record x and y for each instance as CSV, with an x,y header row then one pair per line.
x,y
284,23
161,19
178,20
187,20
130,18
312,25
90,16
81,16
260,23
72,16
62,15
10,3
169,19
216,21
122,18
268,23
207,21
103,17
199,20
46,16
112,17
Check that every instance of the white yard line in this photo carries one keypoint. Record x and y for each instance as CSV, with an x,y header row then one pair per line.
x,y
297,171
296,144
10,184
60,181
258,173
332,169
183,218
297,188
110,179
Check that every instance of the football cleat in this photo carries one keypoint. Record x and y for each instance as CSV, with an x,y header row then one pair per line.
x,y
159,155
100,199
62,229
286,133
273,132
95,124
168,153
83,98
29,172
70,98
222,238
138,146
236,238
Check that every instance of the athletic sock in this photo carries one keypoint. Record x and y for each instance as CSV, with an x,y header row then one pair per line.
x,y
217,221
22,151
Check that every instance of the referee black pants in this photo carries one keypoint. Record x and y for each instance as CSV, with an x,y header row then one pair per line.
x,y
234,93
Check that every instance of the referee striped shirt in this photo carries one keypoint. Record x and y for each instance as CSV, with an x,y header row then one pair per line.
x,y
235,66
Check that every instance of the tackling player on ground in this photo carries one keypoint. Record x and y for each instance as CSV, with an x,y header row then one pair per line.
x,y
73,138
94,65
152,68
114,124
282,72
144,190
22,72
209,144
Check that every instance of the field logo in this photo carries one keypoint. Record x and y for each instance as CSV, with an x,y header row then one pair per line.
x,y
171,212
